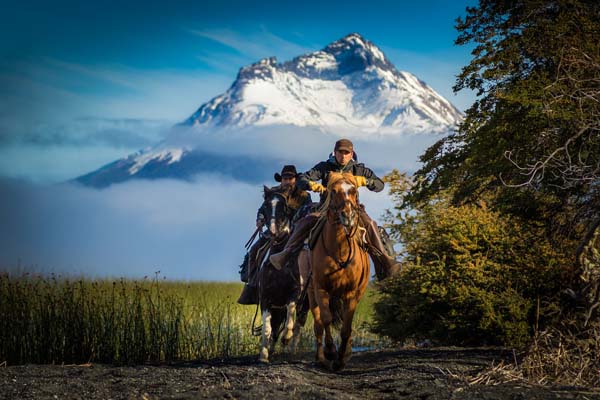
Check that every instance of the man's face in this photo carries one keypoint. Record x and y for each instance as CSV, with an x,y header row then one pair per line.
x,y
288,181
343,157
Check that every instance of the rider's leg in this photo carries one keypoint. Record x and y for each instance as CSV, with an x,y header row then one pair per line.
x,y
250,293
385,266
295,242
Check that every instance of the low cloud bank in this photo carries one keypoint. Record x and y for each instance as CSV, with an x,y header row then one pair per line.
x,y
306,146
186,230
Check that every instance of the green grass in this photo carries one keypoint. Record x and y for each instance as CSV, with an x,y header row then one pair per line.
x,y
64,320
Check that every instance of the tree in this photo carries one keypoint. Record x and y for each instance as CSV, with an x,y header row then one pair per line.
x,y
536,124
530,147
470,275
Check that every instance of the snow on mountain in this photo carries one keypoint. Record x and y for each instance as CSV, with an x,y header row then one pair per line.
x,y
349,84
349,88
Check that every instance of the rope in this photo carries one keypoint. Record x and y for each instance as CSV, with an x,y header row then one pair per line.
x,y
254,321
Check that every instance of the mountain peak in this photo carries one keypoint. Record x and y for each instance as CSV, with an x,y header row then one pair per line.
x,y
349,83
262,69
354,53
353,39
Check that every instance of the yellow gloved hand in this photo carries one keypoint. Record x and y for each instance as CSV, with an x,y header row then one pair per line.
x,y
361,181
316,187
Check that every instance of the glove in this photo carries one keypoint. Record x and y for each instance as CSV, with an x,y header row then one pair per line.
x,y
316,187
361,181
260,222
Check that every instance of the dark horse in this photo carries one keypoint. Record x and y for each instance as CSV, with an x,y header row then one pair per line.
x,y
279,290
340,269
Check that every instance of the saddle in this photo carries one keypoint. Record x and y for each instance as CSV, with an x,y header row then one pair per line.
x,y
314,233
261,254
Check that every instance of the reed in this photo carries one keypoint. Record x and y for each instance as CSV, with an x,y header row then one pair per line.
x,y
62,320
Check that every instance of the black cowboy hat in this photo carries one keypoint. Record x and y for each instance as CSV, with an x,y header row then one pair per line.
x,y
288,170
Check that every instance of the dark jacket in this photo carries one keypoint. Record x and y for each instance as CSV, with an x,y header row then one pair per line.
x,y
295,201
321,172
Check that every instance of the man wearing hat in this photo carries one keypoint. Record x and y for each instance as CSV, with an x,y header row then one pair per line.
x,y
343,159
296,199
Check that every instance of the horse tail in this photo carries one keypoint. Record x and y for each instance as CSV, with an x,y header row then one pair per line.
x,y
336,307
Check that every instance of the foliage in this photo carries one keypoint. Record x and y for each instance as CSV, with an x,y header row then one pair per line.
x,y
536,124
470,276
529,149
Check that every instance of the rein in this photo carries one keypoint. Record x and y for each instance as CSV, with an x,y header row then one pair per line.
x,y
349,236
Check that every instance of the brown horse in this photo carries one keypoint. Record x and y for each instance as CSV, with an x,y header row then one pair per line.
x,y
340,269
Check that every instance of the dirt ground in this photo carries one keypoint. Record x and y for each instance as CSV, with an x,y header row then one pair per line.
x,y
445,373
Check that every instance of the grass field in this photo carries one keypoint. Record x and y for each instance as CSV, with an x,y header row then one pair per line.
x,y
53,319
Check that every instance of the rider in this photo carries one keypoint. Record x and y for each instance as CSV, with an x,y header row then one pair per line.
x,y
343,159
296,199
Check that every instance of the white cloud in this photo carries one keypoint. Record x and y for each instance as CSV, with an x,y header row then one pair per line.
x,y
59,151
185,230
254,45
307,146
54,90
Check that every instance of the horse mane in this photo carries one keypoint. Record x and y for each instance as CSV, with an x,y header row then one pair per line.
x,y
335,177
276,189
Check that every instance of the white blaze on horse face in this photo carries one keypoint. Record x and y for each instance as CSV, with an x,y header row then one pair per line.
x,y
273,227
346,188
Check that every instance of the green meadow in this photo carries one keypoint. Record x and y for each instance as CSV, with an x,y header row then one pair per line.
x,y
54,319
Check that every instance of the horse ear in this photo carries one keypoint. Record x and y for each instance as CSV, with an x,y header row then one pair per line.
x,y
266,190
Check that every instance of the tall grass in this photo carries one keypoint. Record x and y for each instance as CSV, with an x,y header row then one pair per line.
x,y
52,319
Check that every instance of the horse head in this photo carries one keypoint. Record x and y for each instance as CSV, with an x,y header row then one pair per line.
x,y
343,198
277,211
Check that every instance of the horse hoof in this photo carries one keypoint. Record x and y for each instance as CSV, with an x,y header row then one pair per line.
x,y
331,354
326,364
338,365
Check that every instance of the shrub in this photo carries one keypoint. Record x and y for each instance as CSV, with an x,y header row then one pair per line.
x,y
470,276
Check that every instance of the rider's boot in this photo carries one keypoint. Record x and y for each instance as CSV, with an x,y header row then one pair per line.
x,y
295,242
250,292
385,266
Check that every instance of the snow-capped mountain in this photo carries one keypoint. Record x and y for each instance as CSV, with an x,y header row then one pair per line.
x,y
349,88
349,84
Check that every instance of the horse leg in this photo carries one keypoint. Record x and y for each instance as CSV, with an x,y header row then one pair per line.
x,y
345,350
265,337
318,328
326,319
330,349
276,321
302,309
289,323
301,315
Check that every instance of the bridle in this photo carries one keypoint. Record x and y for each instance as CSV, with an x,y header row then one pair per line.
x,y
350,234
275,198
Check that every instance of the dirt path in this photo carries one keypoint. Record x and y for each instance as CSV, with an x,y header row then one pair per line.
x,y
394,374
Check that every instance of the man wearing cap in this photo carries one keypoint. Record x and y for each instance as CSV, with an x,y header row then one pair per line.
x,y
296,199
343,159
